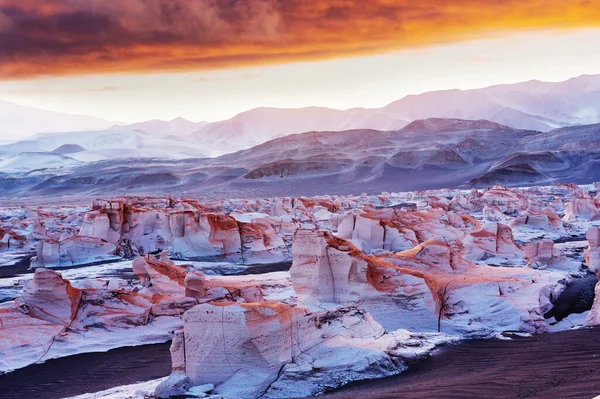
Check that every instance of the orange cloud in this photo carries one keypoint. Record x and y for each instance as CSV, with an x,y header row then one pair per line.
x,y
71,37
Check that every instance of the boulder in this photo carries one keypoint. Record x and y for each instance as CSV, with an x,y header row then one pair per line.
x,y
273,350
72,251
491,240
49,297
592,253
582,207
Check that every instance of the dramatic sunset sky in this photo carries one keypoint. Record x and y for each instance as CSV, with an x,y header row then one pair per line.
x,y
131,60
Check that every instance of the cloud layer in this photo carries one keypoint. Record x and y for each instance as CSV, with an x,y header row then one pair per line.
x,y
68,37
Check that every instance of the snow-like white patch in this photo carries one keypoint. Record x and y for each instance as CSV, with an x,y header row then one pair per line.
x,y
138,390
11,287
573,321
10,258
28,161
248,217
159,330
214,268
71,343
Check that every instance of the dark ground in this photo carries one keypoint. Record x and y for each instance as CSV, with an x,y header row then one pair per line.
x,y
556,366
89,372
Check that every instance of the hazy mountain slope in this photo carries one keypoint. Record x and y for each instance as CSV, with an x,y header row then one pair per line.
x,y
29,161
425,154
68,149
17,121
107,144
262,124
575,101
468,105
532,105
157,127
445,135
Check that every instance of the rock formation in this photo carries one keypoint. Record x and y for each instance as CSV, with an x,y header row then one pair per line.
x,y
582,207
540,252
592,253
132,226
49,297
545,219
433,277
73,251
272,350
366,270
491,240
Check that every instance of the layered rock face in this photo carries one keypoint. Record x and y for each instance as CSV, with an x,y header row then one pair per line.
x,y
375,230
366,270
174,289
53,315
583,207
263,240
395,230
433,277
592,253
49,297
137,226
544,218
160,275
163,281
540,252
10,240
507,201
270,350
491,240
224,339
73,251
325,274
539,221
250,288
176,227
24,339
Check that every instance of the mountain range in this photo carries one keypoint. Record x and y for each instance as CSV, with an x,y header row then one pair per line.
x,y
533,105
527,133
18,121
430,153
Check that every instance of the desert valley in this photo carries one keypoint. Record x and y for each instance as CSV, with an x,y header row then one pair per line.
x,y
260,295
292,297
276,199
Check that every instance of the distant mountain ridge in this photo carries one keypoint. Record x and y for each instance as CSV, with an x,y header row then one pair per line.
x,y
425,154
532,105
18,121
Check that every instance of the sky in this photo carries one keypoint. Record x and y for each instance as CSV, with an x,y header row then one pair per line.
x,y
134,60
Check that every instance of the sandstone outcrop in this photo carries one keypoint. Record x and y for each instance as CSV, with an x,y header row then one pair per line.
x,y
442,284
544,218
592,253
249,288
273,350
49,297
366,270
491,240
73,251
583,207
540,251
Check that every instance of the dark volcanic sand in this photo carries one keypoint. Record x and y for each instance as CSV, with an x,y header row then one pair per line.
x,y
578,297
266,268
90,372
556,366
